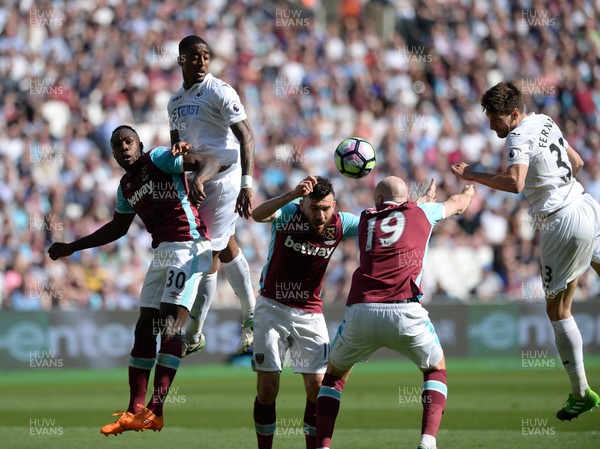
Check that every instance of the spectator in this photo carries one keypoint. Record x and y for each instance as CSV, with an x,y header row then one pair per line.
x,y
69,75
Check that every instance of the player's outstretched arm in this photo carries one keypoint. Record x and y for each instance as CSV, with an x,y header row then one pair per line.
x,y
111,231
512,180
265,212
243,133
205,168
429,195
459,202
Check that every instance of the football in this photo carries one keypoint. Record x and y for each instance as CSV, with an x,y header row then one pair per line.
x,y
354,157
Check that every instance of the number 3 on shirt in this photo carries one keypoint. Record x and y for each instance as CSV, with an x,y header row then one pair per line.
x,y
392,225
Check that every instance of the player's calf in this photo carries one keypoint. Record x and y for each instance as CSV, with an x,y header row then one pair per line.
x,y
328,407
264,423
434,396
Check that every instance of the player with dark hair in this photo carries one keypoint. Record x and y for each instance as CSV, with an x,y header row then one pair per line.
x,y
543,165
156,188
383,307
289,308
207,114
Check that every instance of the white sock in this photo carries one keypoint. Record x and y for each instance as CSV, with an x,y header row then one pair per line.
x,y
204,298
428,441
570,348
238,275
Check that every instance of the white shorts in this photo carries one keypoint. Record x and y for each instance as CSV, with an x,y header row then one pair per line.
x,y
218,209
404,328
569,240
175,273
285,336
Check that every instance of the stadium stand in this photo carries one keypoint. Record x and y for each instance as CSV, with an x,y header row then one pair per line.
x,y
404,74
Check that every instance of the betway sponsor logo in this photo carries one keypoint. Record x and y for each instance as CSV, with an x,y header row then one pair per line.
x,y
304,248
139,193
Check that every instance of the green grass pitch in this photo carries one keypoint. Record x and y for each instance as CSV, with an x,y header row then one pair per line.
x,y
492,404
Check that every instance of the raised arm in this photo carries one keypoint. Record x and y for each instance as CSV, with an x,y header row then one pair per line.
x,y
429,195
243,133
265,212
512,180
458,203
111,231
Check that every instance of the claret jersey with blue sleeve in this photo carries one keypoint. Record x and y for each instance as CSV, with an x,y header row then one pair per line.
x,y
393,244
298,257
157,190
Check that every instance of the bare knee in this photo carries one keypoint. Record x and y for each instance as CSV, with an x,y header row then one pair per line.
x,y
267,387
556,311
441,365
230,252
215,261
312,384
558,306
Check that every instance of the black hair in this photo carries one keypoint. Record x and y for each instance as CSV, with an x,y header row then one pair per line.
x,y
502,99
123,127
189,41
120,127
321,189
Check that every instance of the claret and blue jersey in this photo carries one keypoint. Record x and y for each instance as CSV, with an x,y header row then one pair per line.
x,y
157,190
402,230
298,257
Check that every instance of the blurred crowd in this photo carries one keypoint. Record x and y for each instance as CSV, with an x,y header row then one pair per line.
x,y
407,75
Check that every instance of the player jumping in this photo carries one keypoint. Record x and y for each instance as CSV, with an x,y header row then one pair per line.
x,y
207,114
155,188
543,165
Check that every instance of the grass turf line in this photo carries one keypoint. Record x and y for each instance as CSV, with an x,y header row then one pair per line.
x,y
211,407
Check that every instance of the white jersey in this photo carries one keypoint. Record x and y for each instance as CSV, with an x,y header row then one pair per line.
x,y
539,143
203,115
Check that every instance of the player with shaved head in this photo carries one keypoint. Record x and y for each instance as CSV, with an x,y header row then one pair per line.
x,y
289,312
392,189
383,306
